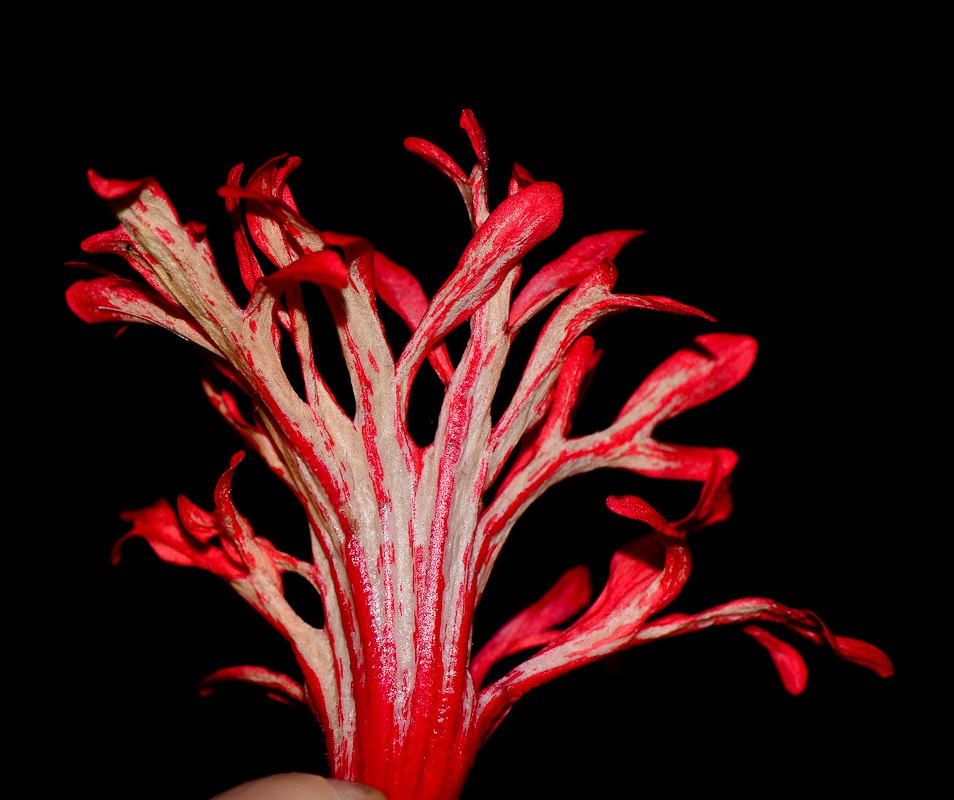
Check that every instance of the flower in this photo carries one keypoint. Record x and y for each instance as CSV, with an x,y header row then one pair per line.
x,y
404,536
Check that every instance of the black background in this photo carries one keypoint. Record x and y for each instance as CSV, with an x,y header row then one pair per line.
x,y
770,179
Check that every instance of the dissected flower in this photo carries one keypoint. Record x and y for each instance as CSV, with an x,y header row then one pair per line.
x,y
404,536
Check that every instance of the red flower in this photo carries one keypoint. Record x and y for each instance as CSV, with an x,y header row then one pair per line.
x,y
405,536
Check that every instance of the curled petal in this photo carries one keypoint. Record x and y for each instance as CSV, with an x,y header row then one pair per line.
x,y
234,528
520,179
159,526
268,223
324,268
112,189
277,686
256,552
715,500
197,521
272,178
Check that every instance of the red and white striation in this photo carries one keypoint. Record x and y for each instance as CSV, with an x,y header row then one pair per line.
x,y
402,542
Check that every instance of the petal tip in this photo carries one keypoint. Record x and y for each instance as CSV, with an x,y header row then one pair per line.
x,y
635,508
113,189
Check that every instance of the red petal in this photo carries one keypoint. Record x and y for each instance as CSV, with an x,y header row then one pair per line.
x,y
119,242
715,500
111,189
637,508
279,687
478,139
590,301
865,655
272,177
433,155
515,227
566,272
324,268
565,397
175,258
275,224
112,299
531,627
645,576
713,364
760,609
788,661
159,526
200,523
520,179
249,267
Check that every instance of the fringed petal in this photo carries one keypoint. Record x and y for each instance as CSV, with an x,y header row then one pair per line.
x,y
589,302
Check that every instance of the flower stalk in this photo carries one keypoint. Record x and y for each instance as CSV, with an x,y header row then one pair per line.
x,y
404,536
